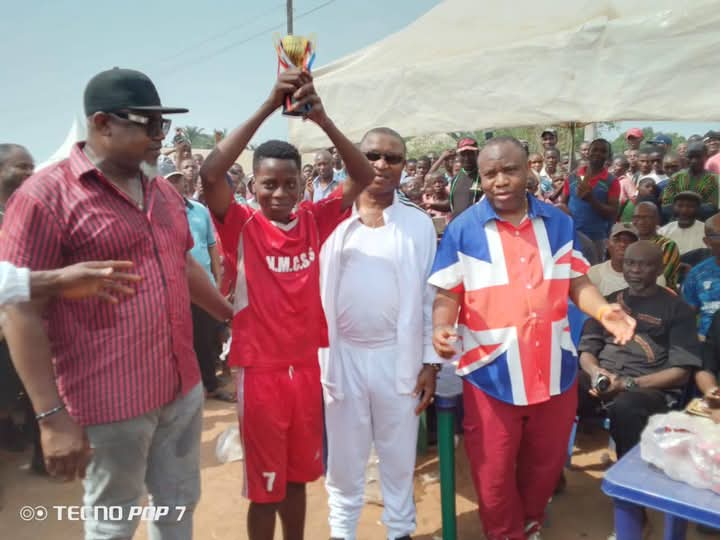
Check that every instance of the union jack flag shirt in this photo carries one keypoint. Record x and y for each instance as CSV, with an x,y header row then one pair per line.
x,y
515,284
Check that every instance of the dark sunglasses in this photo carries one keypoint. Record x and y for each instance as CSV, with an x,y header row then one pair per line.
x,y
155,125
390,159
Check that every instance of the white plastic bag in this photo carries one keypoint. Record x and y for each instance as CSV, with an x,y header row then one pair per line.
x,y
228,446
705,454
685,447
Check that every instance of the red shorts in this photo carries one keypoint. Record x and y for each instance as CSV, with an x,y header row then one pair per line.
x,y
280,415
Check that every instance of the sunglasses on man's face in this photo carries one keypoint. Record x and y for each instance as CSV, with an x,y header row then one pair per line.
x,y
154,125
390,159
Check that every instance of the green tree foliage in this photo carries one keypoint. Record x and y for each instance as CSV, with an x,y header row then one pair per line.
x,y
197,137
419,146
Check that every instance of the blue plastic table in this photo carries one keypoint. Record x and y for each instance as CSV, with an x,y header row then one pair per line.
x,y
634,484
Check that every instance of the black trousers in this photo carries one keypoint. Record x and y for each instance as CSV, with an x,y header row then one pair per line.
x,y
628,412
206,345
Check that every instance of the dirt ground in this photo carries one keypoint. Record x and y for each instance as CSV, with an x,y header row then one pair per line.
x,y
581,512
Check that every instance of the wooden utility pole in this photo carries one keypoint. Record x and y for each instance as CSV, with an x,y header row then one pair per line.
x,y
289,5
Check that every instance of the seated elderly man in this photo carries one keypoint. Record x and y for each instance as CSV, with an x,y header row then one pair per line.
x,y
608,276
646,376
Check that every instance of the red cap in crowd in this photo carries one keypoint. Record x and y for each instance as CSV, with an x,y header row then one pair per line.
x,y
467,144
636,133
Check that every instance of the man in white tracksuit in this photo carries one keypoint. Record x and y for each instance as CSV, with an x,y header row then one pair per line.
x,y
380,369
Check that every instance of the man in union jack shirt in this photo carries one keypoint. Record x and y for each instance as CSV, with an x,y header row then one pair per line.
x,y
504,271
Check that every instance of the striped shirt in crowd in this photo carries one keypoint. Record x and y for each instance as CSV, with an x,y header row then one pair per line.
x,y
112,362
706,186
671,259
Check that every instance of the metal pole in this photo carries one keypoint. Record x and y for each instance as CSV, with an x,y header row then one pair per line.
x,y
289,5
445,408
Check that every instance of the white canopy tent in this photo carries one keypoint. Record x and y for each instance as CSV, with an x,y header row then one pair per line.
x,y
77,132
469,64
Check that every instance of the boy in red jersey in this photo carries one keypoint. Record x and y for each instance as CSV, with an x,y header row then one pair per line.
x,y
279,322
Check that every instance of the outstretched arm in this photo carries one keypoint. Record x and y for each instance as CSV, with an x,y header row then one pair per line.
x,y
360,171
218,193
611,316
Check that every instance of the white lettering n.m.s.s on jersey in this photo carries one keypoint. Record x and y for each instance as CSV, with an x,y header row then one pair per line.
x,y
278,319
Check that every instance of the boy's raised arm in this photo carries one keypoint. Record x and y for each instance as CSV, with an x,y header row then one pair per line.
x,y
218,194
360,170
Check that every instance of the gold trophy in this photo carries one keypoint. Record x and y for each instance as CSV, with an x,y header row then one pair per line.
x,y
294,52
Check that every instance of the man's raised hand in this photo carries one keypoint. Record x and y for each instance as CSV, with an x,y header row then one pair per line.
x,y
306,95
288,82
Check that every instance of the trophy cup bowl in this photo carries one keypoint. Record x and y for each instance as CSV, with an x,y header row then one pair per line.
x,y
294,52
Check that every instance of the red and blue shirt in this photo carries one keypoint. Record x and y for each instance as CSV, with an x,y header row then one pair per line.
x,y
515,284
605,188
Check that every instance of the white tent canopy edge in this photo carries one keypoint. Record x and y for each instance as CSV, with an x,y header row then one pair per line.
x,y
468,65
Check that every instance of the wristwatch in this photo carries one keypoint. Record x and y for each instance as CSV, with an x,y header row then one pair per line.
x,y
436,367
630,383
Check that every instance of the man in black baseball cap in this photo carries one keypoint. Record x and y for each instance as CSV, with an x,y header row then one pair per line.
x,y
124,89
125,121
118,397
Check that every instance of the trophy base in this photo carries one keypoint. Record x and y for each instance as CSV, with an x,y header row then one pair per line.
x,y
303,111
297,114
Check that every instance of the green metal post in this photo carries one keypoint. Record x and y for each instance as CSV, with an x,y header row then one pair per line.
x,y
422,441
446,446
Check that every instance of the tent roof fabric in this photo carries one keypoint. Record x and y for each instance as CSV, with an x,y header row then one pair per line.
x,y
77,132
468,65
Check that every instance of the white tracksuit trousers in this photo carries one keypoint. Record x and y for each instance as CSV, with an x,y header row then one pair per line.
x,y
371,411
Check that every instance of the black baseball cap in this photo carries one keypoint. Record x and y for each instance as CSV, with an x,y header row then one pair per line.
x,y
123,89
